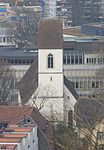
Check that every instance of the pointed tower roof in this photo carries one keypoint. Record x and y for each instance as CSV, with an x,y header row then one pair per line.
x,y
50,34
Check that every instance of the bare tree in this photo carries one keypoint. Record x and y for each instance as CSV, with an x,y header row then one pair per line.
x,y
25,29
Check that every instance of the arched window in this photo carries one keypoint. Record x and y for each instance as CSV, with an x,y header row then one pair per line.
x,y
50,61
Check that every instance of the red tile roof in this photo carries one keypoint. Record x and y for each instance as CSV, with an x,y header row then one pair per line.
x,y
13,115
7,146
10,140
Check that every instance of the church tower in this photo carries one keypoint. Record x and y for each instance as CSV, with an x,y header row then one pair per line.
x,y
50,63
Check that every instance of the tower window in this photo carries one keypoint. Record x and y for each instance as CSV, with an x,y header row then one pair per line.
x,y
50,61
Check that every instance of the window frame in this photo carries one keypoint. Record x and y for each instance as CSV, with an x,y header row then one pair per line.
x,y
50,61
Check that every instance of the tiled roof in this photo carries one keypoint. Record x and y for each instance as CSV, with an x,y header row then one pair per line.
x,y
50,34
15,114
29,83
9,140
70,87
7,146
14,135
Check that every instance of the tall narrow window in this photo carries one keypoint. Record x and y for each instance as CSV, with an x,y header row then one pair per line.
x,y
50,61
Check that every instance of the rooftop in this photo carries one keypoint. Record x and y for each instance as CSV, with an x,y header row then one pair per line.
x,y
74,33
15,115
17,52
7,146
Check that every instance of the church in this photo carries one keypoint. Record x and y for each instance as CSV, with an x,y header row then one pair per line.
x,y
44,84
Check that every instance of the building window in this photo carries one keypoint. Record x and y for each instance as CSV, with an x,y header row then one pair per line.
x,y
4,40
100,135
50,78
50,61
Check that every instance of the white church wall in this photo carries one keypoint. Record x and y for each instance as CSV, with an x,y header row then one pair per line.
x,y
69,102
50,77
48,106
57,60
53,108
51,85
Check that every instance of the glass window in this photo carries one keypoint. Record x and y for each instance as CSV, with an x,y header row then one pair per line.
x,y
28,61
24,61
76,58
16,61
97,84
94,60
77,85
72,58
93,84
80,58
64,58
68,59
3,40
87,60
90,61
100,135
85,85
20,61
89,84
81,84
50,61
12,61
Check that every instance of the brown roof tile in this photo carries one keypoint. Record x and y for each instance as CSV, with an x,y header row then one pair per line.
x,y
50,34
14,135
7,146
9,140
15,114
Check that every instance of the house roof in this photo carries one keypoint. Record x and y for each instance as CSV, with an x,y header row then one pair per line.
x,y
9,140
17,52
88,111
15,114
70,87
29,83
7,146
50,34
14,135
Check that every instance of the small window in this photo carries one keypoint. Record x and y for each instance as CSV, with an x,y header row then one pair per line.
x,y
33,141
50,78
100,135
28,121
50,61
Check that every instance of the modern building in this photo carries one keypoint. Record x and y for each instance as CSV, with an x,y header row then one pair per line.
x,y
83,60
87,11
6,38
93,29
